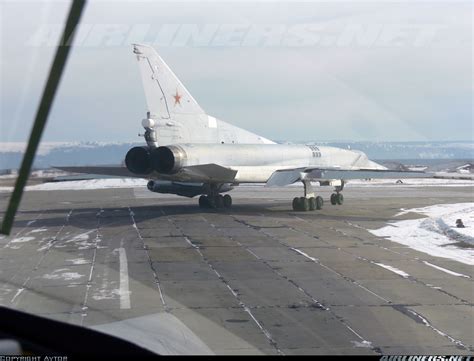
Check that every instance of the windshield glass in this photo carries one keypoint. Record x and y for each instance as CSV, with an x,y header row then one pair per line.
x,y
246,177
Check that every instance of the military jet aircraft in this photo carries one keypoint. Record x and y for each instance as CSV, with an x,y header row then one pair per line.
x,y
191,153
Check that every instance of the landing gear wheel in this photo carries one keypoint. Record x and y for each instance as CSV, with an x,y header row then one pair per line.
x,y
313,204
334,199
227,201
203,201
304,204
296,204
211,201
319,202
219,200
340,198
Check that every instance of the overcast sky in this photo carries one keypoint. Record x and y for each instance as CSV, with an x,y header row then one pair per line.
x,y
288,70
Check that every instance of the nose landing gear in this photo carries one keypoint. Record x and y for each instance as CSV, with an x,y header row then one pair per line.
x,y
338,198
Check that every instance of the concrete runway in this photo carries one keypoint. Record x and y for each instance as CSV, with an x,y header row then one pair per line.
x,y
258,278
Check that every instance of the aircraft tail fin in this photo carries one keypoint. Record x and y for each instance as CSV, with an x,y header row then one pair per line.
x,y
174,114
165,94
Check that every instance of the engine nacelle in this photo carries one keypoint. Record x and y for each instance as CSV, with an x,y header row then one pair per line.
x,y
138,160
169,159
184,189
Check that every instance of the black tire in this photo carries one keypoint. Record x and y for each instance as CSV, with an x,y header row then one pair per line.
x,y
304,204
340,198
319,202
203,201
219,201
334,199
211,201
227,201
296,204
312,204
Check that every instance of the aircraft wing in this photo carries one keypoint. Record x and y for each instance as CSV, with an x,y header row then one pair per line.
x,y
211,172
289,176
202,172
117,171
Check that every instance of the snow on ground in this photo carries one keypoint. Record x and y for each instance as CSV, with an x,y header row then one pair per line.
x,y
60,274
446,270
90,184
437,233
39,173
413,182
85,184
410,182
137,182
394,270
22,239
384,182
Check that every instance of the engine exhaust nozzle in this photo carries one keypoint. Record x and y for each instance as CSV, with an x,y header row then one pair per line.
x,y
138,160
168,160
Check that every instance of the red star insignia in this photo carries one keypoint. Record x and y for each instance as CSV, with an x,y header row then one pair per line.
x,y
177,98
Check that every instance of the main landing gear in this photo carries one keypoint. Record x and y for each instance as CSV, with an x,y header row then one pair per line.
x,y
307,204
215,201
310,203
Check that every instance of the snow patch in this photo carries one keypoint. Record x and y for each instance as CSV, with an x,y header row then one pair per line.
x,y
90,184
78,261
446,270
60,274
362,344
409,182
138,183
104,294
22,239
85,184
436,234
441,333
18,292
82,240
304,254
394,270
38,230
46,246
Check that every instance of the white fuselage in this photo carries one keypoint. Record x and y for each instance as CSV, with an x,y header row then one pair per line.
x,y
255,163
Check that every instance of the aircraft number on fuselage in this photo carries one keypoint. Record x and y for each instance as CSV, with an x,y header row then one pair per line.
x,y
315,150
